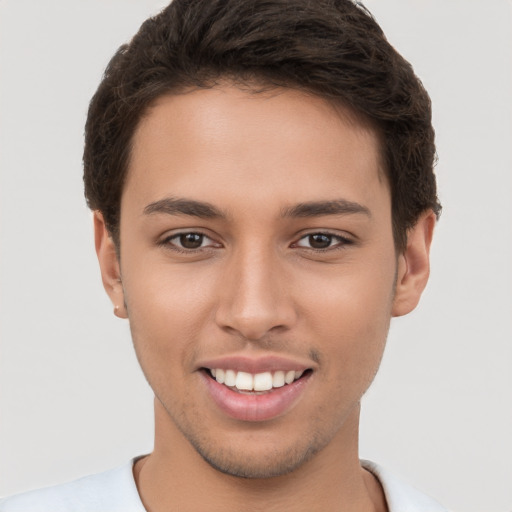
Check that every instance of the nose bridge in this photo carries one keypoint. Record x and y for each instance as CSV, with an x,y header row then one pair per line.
x,y
255,300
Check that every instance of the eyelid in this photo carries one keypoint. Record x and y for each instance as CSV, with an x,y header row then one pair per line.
x,y
343,240
166,240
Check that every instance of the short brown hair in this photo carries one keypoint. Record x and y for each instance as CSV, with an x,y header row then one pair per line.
x,y
331,48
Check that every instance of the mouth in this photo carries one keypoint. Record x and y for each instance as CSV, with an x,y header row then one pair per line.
x,y
259,396
255,383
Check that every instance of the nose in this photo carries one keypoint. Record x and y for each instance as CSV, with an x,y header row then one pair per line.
x,y
256,295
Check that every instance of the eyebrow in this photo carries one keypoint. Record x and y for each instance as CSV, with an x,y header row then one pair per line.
x,y
321,208
204,210
175,206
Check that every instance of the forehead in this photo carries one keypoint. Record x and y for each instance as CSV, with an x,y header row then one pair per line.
x,y
209,142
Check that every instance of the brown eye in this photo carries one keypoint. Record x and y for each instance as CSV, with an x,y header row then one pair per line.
x,y
323,241
191,240
320,241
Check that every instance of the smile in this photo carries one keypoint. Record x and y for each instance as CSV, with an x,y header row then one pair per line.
x,y
244,381
259,396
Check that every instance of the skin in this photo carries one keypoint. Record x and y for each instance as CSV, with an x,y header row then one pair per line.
x,y
255,287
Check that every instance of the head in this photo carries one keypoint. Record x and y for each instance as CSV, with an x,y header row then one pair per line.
x,y
262,176
334,50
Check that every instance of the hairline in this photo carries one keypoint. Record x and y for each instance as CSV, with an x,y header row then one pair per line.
x,y
258,83
261,85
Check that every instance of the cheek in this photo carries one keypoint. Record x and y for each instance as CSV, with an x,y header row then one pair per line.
x,y
349,319
356,301
167,309
159,292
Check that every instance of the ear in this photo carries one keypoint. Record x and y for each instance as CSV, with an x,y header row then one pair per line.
x,y
109,265
414,265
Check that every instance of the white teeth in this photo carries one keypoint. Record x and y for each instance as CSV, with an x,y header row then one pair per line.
x,y
263,381
260,382
289,377
219,375
244,381
278,379
230,378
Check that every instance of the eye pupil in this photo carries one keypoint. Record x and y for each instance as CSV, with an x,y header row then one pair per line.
x,y
191,240
320,241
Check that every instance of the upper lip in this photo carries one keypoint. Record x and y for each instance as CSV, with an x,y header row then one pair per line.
x,y
254,365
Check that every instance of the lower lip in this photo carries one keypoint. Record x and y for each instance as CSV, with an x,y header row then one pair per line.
x,y
256,407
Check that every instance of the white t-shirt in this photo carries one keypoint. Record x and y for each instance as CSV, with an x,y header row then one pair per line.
x,y
115,491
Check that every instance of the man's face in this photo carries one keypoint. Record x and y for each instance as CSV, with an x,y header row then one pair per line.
x,y
256,239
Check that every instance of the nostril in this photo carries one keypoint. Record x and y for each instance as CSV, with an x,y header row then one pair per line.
x,y
254,312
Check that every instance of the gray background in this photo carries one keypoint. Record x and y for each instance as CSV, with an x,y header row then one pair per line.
x,y
72,399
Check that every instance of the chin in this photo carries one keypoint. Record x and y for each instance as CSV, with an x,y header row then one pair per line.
x,y
256,458
258,466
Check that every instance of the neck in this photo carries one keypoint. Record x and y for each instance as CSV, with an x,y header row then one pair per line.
x,y
175,477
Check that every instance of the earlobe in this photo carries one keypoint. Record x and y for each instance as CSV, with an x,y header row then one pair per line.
x,y
109,265
414,265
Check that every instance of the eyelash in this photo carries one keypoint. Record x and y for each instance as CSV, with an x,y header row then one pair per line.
x,y
341,244
167,242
